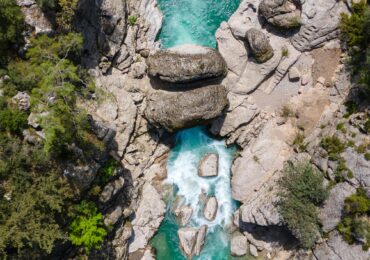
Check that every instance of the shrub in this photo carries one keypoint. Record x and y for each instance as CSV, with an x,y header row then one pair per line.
x,y
132,19
11,27
358,203
334,146
299,142
13,120
286,111
87,229
284,52
341,127
301,191
355,31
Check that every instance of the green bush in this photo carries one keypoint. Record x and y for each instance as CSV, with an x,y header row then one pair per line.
x,y
132,19
13,120
301,191
355,29
87,229
334,146
11,27
358,203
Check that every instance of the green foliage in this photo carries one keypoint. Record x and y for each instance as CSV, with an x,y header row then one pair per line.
x,y
341,127
47,5
11,27
107,171
351,108
87,229
355,226
132,19
334,146
12,120
66,14
286,111
32,197
299,142
301,191
355,30
284,52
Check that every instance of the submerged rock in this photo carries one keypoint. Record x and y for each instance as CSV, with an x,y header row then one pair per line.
x,y
260,45
178,110
281,13
210,209
186,63
208,166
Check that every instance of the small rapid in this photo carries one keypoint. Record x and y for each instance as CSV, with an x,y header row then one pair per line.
x,y
188,188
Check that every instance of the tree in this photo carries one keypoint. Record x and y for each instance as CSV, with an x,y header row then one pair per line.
x,y
11,27
87,229
301,191
355,29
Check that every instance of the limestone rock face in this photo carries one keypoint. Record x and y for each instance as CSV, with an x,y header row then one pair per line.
x,y
177,110
148,217
186,63
111,189
281,13
34,17
331,213
184,214
210,209
192,240
238,245
23,100
337,249
260,45
208,166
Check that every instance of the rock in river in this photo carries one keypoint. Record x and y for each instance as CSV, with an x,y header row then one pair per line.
x,y
210,209
186,63
192,240
208,166
176,110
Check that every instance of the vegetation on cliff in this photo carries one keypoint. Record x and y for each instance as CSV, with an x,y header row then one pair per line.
x,y
302,191
39,209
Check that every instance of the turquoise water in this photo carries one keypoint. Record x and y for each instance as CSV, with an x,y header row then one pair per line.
x,y
193,21
192,144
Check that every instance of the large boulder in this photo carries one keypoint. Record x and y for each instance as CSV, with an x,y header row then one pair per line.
x,y
259,45
208,166
182,109
238,245
210,209
186,63
281,13
192,240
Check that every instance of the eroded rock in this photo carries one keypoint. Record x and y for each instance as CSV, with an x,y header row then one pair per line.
x,y
178,110
184,214
260,45
210,208
238,245
192,240
281,13
186,63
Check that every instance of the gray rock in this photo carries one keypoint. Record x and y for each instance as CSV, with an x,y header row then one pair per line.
x,y
112,217
23,100
138,69
120,241
335,248
360,168
238,245
81,176
148,217
177,110
201,236
253,250
331,213
187,238
184,214
208,166
319,30
210,209
34,17
294,74
281,13
192,240
260,45
111,189
186,63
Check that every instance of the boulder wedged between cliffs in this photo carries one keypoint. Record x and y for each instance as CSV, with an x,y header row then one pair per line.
x,y
186,63
183,109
